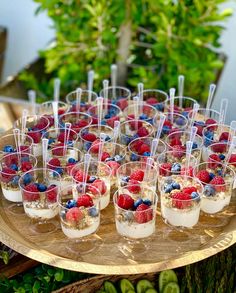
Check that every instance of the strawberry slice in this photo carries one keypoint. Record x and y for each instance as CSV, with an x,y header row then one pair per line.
x,y
178,151
175,141
125,201
133,124
189,172
143,214
137,175
85,200
36,136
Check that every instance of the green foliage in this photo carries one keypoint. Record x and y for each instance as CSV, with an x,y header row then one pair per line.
x,y
168,38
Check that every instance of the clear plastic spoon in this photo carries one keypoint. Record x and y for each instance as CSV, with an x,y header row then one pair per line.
x,y
56,93
181,90
90,85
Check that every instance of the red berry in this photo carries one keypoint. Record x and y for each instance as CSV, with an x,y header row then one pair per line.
x,y
62,136
58,149
152,101
189,189
199,129
51,193
219,183
178,151
61,111
135,125
219,147
26,166
203,176
78,175
143,214
69,167
36,136
189,172
125,201
105,156
133,186
100,185
213,161
74,215
165,169
136,145
232,160
142,132
144,148
122,103
181,200
210,121
111,121
167,123
137,175
85,200
30,192
114,166
89,137
224,136
7,174
175,141
54,162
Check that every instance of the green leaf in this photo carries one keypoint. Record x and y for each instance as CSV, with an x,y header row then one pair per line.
x,y
59,275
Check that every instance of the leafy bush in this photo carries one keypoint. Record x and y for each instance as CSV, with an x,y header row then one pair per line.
x,y
150,41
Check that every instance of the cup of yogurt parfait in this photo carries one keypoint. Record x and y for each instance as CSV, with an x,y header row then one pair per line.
x,y
179,122
218,181
35,127
117,95
79,210
12,166
62,160
57,137
40,198
78,120
88,99
8,144
140,149
91,135
181,200
135,213
178,139
155,98
146,112
99,176
132,129
182,105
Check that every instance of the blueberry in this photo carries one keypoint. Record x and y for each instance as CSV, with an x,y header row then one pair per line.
x,y
114,102
125,178
14,167
175,185
209,134
71,204
168,188
180,121
51,140
222,157
126,139
176,167
72,161
103,122
107,138
8,149
185,114
42,187
129,216
134,157
117,158
87,145
59,170
27,178
137,203
207,142
209,190
70,143
166,129
109,159
147,202
195,195
143,117
93,212
159,107
92,179
220,172
211,175
146,154
15,180
107,116
195,146
199,123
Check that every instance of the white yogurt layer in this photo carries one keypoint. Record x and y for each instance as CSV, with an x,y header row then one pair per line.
x,y
12,195
135,230
43,213
76,233
37,149
180,217
212,205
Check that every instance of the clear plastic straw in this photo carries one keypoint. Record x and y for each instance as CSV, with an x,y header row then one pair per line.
x,y
172,97
87,160
32,99
181,90
212,89
90,85
113,80
140,91
56,93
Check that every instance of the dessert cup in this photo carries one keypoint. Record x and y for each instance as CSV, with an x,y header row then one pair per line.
x,y
9,144
186,103
78,120
117,95
110,114
140,149
91,135
146,112
179,123
179,138
217,180
155,98
85,104
36,126
132,129
79,210
40,198
181,200
99,176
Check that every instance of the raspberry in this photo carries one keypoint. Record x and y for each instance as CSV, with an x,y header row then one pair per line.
x,y
89,137
51,193
189,189
61,137
219,182
210,121
61,111
199,129
144,148
134,124
26,166
111,121
36,136
122,103
85,200
213,161
58,149
219,147
232,160
7,174
125,201
78,175
133,186
95,146
114,166
81,123
69,167
167,123
143,214
30,192
178,151
54,162
181,200
175,141
136,145
142,132
100,185
105,156
165,169
203,176
74,215
137,175
188,173
152,101
224,136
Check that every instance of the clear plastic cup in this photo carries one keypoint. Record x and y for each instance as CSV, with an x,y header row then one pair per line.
x,y
117,95
155,98
140,148
36,126
99,175
137,218
132,129
91,135
110,114
182,105
218,185
179,138
181,200
9,144
146,112
78,120
84,103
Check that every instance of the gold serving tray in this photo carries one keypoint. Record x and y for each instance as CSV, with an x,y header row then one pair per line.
x,y
167,248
